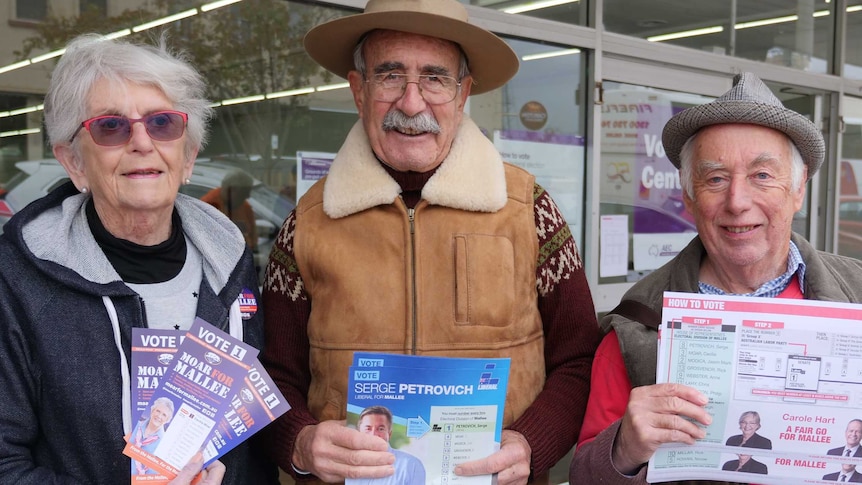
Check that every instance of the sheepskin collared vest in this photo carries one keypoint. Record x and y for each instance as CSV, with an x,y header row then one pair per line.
x,y
434,280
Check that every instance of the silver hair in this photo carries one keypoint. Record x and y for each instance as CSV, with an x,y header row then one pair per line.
x,y
753,414
686,162
164,401
359,58
90,58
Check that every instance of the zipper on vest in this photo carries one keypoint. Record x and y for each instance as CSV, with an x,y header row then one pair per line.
x,y
410,217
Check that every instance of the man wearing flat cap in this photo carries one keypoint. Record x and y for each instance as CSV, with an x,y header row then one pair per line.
x,y
744,160
422,241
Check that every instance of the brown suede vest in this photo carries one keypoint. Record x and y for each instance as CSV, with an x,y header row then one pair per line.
x,y
439,281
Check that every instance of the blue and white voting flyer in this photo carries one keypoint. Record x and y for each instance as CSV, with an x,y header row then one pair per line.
x,y
436,412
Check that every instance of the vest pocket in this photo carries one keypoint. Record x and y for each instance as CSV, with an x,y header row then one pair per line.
x,y
484,280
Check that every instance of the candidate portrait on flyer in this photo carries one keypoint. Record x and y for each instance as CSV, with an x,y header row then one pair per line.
x,y
749,424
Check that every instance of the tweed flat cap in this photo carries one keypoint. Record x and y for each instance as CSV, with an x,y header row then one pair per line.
x,y
749,101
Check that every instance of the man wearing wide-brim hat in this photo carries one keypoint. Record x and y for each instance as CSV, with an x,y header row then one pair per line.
x,y
744,160
422,241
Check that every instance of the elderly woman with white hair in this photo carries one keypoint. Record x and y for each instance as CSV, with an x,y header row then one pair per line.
x,y
115,248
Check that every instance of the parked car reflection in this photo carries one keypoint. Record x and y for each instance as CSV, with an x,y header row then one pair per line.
x,y
38,177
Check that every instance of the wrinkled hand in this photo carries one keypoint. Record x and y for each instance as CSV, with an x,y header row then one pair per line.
x,y
334,452
655,415
211,475
511,463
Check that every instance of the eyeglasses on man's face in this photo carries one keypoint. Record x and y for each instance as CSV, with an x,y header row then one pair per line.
x,y
114,130
388,87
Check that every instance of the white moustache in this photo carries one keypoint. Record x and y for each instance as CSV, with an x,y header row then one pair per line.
x,y
412,125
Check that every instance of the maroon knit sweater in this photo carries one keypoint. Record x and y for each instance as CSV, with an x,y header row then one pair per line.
x,y
551,424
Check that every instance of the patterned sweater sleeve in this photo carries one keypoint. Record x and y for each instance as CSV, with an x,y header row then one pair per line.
x,y
571,337
286,349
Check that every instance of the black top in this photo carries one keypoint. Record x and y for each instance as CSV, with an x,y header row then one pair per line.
x,y
141,264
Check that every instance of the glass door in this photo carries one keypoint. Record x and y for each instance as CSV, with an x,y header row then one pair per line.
x,y
640,222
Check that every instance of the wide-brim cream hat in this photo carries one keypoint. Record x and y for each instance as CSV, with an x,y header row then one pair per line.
x,y
749,101
492,62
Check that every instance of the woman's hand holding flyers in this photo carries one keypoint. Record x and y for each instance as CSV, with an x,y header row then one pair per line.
x,y
211,475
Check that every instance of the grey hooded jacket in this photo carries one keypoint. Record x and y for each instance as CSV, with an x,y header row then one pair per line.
x,y
65,341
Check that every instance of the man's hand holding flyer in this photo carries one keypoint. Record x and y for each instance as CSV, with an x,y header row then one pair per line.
x,y
435,412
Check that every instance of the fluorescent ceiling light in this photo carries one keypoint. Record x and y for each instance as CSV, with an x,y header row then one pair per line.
x,y
330,87
761,23
118,34
527,7
291,92
215,5
49,55
743,25
12,67
21,111
165,20
122,33
247,99
545,55
28,131
226,102
687,33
